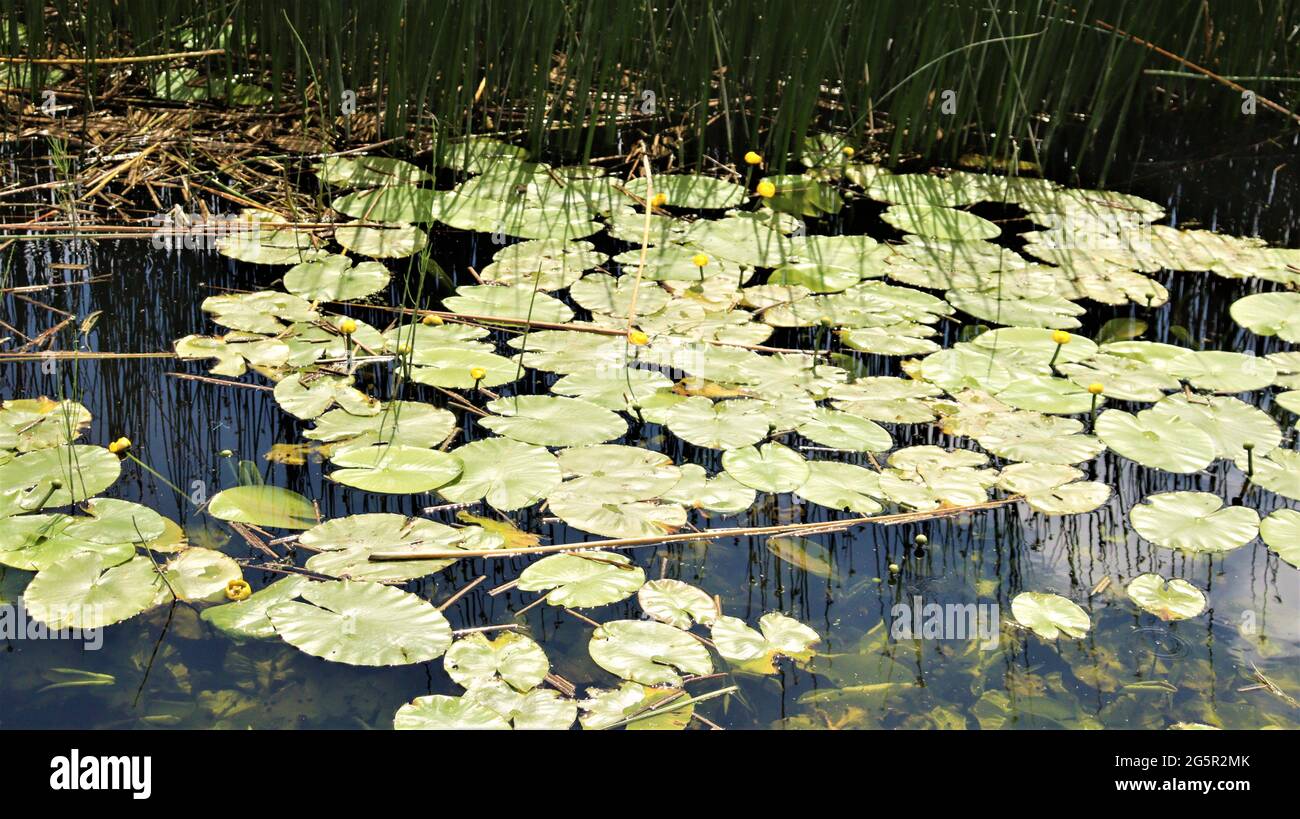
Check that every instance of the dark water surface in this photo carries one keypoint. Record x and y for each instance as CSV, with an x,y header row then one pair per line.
x,y
170,669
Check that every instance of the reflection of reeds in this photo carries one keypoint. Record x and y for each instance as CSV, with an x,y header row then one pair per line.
x,y
573,73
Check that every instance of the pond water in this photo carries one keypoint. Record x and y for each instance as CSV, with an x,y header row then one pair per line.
x,y
167,668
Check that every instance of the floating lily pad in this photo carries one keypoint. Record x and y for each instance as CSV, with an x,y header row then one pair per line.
x,y
1157,441
1218,371
781,636
580,581
389,242
438,712
394,469
1278,472
88,591
724,425
511,657
841,430
771,468
1281,531
56,476
647,652
618,519
690,191
334,278
676,603
247,618
1174,599
272,506
1194,522
519,302
550,421
722,493
1050,615
362,624
1270,314
508,474
842,486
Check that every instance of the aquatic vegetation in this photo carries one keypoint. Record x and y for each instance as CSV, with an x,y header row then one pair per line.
x,y
635,374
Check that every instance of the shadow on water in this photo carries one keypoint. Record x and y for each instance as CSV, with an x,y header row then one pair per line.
x,y
1130,671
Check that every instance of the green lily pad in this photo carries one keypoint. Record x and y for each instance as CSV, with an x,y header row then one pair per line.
x,y
87,591
581,581
57,476
1269,314
619,473
724,425
1050,615
841,430
842,486
438,712
514,658
722,493
676,603
1174,599
1278,472
395,241
939,222
1218,371
1230,423
334,278
507,473
247,619
1157,441
394,469
693,191
647,652
272,506
1194,522
406,423
551,421
1281,531
781,636
519,302
394,203
344,546
362,624
771,468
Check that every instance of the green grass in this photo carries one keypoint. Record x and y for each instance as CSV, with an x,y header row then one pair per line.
x,y
732,74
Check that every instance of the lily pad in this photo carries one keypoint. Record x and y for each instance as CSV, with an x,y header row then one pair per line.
x,y
580,582
647,652
771,468
551,421
511,657
781,636
272,506
362,624
676,603
1156,441
508,474
334,278
1174,599
1050,615
1194,522
1281,531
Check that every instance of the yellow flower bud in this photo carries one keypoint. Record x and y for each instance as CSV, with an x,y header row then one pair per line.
x,y
638,338
1095,388
699,260
347,326
753,158
658,200
1060,337
848,150
120,445
477,373
766,189
238,590
431,320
